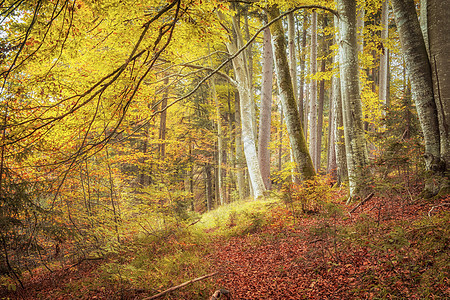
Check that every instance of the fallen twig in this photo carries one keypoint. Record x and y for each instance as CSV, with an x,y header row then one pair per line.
x,y
436,206
180,286
362,202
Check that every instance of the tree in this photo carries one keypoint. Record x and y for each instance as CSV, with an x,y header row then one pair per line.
x,y
297,140
240,67
355,144
420,74
313,92
266,109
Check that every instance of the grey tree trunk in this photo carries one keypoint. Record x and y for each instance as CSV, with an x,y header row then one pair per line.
x,y
301,100
313,93
219,144
266,109
383,87
244,87
355,143
292,58
240,158
419,70
439,41
294,127
320,104
341,158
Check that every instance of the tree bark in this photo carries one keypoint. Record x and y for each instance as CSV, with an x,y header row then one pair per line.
x,y
320,104
240,158
313,93
302,101
294,127
439,41
419,70
355,143
383,87
341,159
266,109
241,73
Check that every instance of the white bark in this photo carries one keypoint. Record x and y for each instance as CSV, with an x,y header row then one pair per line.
x,y
266,109
313,99
383,88
355,143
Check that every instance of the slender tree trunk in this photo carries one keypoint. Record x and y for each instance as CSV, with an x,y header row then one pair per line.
x,y
208,187
303,96
219,139
313,93
320,104
292,58
383,87
266,109
163,123
240,158
294,127
355,142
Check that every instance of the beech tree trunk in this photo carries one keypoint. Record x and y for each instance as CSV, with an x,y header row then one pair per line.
x,y
266,109
313,93
240,158
301,100
320,103
419,70
293,124
383,87
355,143
244,87
341,159
439,45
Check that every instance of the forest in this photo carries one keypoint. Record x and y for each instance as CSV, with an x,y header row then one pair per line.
x,y
224,149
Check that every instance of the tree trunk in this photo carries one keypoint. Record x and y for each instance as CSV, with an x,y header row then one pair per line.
x,y
294,127
163,123
320,103
341,159
301,101
355,143
240,158
439,39
383,87
241,73
208,187
266,109
313,93
419,70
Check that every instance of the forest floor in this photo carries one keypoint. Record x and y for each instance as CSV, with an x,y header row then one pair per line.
x,y
384,249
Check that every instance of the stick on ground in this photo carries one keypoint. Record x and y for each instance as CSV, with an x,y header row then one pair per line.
x,y
180,286
362,202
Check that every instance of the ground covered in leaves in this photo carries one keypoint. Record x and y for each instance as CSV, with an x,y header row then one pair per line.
x,y
384,249
381,251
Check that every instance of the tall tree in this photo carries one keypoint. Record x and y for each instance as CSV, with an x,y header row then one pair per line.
x,y
420,74
240,67
313,92
439,45
383,89
293,124
355,143
266,109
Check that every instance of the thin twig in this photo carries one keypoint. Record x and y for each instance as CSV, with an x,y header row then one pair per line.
x,y
180,286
